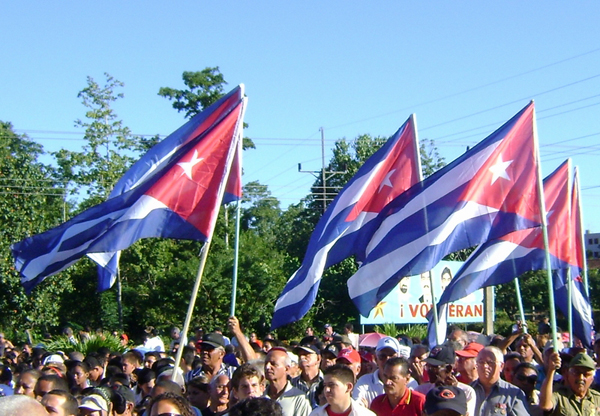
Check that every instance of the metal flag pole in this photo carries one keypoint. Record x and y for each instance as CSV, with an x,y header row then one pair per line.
x,y
520,303
206,246
542,202
236,253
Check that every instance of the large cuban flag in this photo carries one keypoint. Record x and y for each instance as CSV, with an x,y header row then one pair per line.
x,y
174,191
488,192
108,263
340,233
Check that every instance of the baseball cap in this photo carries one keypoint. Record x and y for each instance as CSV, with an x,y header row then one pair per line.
x,y
307,349
213,339
327,326
350,355
441,355
331,350
388,342
53,358
344,339
470,351
583,360
446,398
125,392
94,402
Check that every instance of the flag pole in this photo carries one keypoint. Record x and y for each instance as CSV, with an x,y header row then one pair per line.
x,y
570,305
206,246
520,303
236,252
571,245
542,202
582,236
436,321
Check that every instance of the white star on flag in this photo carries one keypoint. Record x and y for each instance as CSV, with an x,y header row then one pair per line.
x,y
386,181
188,166
499,169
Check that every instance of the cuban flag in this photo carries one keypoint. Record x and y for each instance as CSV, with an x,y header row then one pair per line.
x,y
488,192
108,263
340,232
174,191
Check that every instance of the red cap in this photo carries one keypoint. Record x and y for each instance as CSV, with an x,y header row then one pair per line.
x,y
470,351
350,355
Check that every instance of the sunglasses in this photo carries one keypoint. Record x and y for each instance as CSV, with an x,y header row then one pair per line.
x,y
530,379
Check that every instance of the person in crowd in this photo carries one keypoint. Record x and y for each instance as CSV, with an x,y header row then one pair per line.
x,y
256,406
493,393
466,365
212,351
219,396
292,401
175,338
526,375
145,382
153,341
511,361
370,385
351,358
309,332
79,375
445,401
247,381
131,360
574,397
49,382
459,336
309,356
439,367
416,362
198,392
398,398
96,369
528,349
97,403
150,358
328,334
19,405
338,383
60,403
26,382
123,401
295,369
170,404
349,332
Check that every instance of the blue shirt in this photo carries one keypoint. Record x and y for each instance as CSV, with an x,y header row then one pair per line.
x,y
504,399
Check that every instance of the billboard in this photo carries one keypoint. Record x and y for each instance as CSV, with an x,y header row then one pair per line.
x,y
410,300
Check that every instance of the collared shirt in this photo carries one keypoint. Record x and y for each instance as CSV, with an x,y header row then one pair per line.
x,y
367,388
566,403
224,369
293,401
469,394
411,404
355,410
504,399
311,389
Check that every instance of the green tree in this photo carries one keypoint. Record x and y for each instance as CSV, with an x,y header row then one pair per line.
x,y
31,201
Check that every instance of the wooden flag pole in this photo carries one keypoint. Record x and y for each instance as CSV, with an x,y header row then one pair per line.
x,y
544,220
236,253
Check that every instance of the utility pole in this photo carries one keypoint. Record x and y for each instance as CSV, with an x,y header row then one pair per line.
x,y
325,175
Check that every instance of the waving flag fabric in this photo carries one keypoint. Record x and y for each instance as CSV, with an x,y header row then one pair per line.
x,y
173,192
488,192
108,263
338,235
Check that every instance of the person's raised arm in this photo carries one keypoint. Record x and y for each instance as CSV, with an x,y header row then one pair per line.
x,y
246,349
546,389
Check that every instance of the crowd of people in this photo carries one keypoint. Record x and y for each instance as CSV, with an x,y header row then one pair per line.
x,y
328,375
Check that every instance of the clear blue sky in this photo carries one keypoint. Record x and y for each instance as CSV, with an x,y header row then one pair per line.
x,y
351,67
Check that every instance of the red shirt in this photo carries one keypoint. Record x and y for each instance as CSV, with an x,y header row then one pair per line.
x,y
332,413
410,404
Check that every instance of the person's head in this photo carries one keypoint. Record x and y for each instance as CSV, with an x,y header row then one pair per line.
x,y
395,377
277,363
466,360
387,348
26,382
165,386
95,368
328,330
581,374
418,353
49,382
351,358
309,357
170,403
198,392
329,355
247,381
348,328
96,403
150,358
490,363
60,403
219,390
460,336
445,401
440,361
123,400
338,382
80,373
526,375
523,348
212,350
19,405
175,333
446,277
511,361
145,380
131,360
309,332
256,406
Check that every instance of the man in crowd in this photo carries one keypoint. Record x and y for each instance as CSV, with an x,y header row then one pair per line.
x,y
370,385
526,375
574,397
60,403
47,383
466,365
247,381
416,362
349,332
309,357
219,395
351,358
212,351
292,400
398,398
492,393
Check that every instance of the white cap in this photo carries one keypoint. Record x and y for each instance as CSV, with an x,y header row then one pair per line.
x,y
54,358
388,342
94,402
293,357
